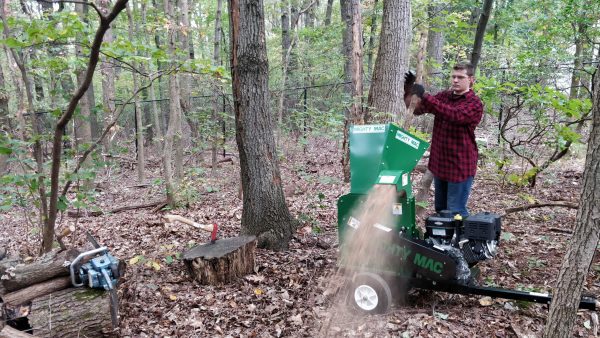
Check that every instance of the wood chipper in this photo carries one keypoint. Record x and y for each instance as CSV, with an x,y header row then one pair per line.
x,y
381,246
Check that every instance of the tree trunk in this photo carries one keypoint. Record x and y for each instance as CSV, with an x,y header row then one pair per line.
x,y
108,80
82,127
387,87
186,79
265,213
580,37
352,50
480,33
174,115
218,88
372,38
328,12
580,252
4,121
139,124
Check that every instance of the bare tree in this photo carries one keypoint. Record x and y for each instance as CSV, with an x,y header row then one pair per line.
x,y
264,213
103,26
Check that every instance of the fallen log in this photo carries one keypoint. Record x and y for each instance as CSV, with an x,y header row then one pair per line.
x,y
47,267
10,332
73,312
155,205
27,294
222,261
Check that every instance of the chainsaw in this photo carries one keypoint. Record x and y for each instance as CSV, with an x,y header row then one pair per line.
x,y
97,269
401,256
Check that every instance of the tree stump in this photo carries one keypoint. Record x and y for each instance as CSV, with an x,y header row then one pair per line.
x,y
222,261
73,312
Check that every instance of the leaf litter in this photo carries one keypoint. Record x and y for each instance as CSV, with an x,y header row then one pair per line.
x,y
296,293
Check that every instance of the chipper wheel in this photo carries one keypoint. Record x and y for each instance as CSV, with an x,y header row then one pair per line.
x,y
369,293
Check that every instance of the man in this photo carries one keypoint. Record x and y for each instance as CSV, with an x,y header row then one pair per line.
x,y
453,159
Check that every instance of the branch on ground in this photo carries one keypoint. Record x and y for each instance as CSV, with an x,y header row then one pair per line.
x,y
540,205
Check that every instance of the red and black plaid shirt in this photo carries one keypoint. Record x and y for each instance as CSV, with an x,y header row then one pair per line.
x,y
453,149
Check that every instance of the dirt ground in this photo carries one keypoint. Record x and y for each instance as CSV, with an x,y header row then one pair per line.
x,y
293,293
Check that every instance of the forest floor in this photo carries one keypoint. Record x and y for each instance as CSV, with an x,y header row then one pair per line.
x,y
291,293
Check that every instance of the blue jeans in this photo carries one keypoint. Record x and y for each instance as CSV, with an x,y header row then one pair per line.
x,y
452,195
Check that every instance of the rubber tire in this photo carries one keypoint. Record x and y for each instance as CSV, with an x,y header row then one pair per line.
x,y
376,287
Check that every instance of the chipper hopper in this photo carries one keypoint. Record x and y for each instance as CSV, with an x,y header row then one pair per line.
x,y
382,247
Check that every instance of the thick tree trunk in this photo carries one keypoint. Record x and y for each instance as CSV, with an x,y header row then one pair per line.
x,y
387,87
221,262
480,33
265,213
580,252
352,50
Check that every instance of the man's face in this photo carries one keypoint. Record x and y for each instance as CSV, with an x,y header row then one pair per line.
x,y
461,82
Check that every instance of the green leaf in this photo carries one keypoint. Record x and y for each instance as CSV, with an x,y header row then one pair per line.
x,y
507,236
440,315
169,259
5,151
63,203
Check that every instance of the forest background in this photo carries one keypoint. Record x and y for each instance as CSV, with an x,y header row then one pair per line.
x,y
157,101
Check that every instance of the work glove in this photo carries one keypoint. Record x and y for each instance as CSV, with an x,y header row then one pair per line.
x,y
409,78
418,90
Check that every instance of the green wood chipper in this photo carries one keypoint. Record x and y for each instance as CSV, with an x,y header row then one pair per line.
x,y
381,246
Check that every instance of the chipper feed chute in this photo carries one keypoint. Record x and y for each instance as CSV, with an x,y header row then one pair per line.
x,y
379,242
381,154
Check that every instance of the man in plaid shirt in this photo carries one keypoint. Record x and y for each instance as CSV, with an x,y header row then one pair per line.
x,y
453,159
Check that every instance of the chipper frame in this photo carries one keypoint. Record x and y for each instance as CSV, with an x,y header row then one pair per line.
x,y
397,254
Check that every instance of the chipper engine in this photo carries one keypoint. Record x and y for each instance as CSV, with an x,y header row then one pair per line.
x,y
382,247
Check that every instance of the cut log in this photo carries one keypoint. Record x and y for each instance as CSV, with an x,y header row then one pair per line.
x,y
221,262
9,332
47,267
73,312
27,294
5,264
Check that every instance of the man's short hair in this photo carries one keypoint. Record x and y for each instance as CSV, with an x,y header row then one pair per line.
x,y
466,66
